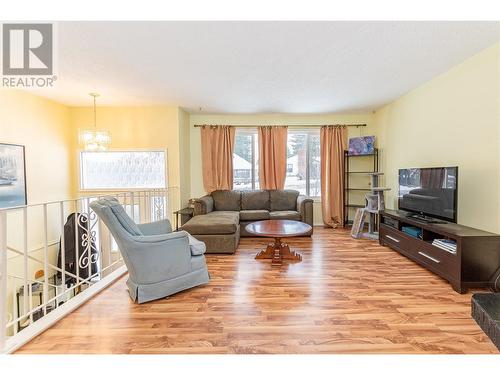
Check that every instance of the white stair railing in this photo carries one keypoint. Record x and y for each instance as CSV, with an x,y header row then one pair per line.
x,y
38,284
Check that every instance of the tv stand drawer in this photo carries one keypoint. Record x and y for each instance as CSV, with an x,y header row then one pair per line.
x,y
439,261
394,237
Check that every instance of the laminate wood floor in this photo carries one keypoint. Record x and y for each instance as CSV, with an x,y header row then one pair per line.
x,y
346,296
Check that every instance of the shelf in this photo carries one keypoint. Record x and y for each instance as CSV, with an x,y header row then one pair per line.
x,y
357,168
354,156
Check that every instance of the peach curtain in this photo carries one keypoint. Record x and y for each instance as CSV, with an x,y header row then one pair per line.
x,y
217,145
333,140
272,156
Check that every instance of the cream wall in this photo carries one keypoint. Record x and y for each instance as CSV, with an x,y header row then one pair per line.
x,y
451,120
197,189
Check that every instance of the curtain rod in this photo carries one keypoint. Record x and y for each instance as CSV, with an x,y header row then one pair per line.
x,y
290,126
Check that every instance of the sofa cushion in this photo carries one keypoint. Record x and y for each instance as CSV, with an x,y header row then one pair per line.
x,y
255,200
284,215
215,222
227,200
283,200
249,215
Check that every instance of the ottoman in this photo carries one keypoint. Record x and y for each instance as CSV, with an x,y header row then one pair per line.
x,y
220,230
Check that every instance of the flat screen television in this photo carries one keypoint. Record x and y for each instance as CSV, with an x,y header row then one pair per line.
x,y
429,192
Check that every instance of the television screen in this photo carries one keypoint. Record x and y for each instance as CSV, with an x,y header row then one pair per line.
x,y
429,191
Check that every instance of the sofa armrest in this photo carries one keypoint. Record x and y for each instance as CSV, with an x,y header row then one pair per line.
x,y
305,209
203,205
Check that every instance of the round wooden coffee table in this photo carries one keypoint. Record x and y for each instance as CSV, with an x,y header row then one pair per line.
x,y
278,229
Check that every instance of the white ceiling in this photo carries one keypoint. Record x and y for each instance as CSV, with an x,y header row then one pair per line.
x,y
257,67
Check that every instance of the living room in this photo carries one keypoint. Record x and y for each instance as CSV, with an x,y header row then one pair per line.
x,y
235,194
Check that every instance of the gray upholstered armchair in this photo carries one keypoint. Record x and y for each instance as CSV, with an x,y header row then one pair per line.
x,y
160,262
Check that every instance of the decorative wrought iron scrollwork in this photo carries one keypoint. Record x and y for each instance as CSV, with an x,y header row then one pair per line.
x,y
158,207
88,240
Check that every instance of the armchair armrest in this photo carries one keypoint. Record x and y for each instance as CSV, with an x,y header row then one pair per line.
x,y
305,209
203,205
195,246
159,238
156,227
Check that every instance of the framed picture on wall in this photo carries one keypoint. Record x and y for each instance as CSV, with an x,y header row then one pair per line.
x,y
12,176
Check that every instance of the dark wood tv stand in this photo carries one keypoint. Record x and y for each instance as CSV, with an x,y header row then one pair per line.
x,y
474,264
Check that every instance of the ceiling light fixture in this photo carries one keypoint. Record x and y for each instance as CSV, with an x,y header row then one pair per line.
x,y
95,140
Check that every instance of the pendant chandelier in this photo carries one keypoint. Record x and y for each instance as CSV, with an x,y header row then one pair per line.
x,y
93,139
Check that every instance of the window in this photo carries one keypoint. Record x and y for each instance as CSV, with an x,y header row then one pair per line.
x,y
122,170
245,160
303,168
303,162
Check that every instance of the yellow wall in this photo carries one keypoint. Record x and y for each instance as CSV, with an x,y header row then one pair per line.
x,y
41,125
451,120
197,189
185,157
49,132
135,128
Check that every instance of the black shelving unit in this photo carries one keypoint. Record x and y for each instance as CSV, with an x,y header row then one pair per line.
x,y
348,187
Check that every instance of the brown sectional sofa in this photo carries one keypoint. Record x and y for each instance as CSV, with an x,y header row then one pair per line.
x,y
220,218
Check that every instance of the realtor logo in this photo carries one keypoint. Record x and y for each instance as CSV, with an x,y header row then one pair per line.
x,y
27,49
28,55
